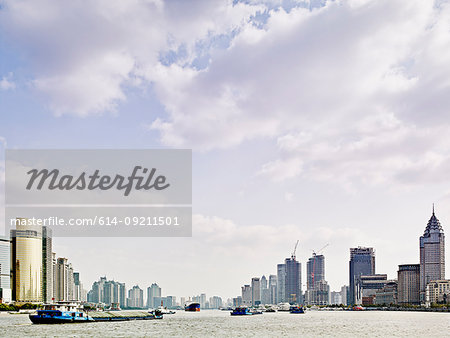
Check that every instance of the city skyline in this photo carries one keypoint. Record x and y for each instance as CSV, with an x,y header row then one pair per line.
x,y
322,121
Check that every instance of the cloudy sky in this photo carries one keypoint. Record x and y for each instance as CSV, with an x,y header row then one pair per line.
x,y
323,121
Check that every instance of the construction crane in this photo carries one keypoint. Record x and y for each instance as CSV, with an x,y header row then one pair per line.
x,y
314,262
295,249
319,251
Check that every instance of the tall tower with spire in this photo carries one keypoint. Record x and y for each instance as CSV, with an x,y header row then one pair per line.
x,y
432,254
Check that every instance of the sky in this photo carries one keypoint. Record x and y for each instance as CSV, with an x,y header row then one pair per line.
x,y
322,121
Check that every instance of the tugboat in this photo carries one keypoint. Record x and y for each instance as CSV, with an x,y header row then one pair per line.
x,y
296,309
59,313
192,307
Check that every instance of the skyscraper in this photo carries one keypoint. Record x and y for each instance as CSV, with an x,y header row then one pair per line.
x,y
281,283
315,270
26,262
317,292
47,265
265,292
64,286
293,281
273,289
408,284
135,297
362,262
256,291
432,254
153,296
5,270
246,295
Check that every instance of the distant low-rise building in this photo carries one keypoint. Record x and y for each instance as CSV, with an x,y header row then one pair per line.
x,y
388,294
438,292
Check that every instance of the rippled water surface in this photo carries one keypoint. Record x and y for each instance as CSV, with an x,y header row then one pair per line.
x,y
221,324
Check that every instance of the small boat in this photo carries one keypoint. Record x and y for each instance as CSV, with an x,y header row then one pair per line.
x,y
244,311
284,307
59,313
157,314
358,308
296,309
241,311
192,307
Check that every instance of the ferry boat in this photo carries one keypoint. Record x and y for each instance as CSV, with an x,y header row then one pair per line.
x,y
192,307
61,312
296,309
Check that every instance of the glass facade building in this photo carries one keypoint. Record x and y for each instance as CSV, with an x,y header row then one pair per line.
x,y
362,262
26,262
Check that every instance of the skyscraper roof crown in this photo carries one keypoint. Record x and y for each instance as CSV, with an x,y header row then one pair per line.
x,y
433,226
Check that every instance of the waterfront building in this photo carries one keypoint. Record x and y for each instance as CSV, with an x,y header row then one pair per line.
x,y
47,265
273,289
315,270
246,295
319,294
317,289
293,281
438,292
26,262
345,294
5,270
265,292
362,262
153,296
281,283
237,301
64,287
335,298
107,292
182,301
256,291
432,254
79,293
387,295
215,302
203,301
135,297
367,286
408,284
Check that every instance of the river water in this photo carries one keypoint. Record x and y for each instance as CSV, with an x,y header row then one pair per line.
x,y
214,323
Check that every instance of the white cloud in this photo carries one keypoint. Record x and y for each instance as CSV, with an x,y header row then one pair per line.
x,y
6,83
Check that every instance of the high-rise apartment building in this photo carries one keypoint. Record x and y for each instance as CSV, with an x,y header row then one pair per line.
x,y
408,288
256,291
153,296
246,295
281,283
273,283
135,297
47,265
362,262
432,254
26,262
5,270
265,292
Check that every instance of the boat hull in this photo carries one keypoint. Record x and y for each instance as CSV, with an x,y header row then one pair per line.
x,y
37,319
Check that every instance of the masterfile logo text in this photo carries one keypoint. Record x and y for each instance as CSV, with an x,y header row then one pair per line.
x,y
142,192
